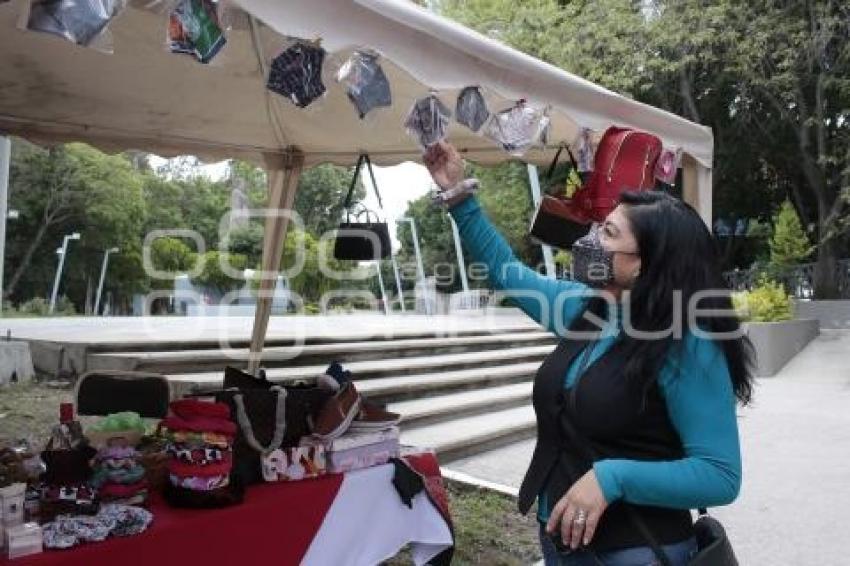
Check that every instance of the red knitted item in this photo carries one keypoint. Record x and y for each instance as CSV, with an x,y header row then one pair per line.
x,y
184,470
191,408
200,424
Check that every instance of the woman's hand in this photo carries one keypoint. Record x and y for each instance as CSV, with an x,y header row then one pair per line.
x,y
585,495
445,164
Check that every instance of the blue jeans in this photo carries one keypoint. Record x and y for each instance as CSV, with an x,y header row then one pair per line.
x,y
678,553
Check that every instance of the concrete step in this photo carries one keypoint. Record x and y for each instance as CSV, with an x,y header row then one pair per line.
x,y
355,335
186,361
407,387
420,412
379,369
459,438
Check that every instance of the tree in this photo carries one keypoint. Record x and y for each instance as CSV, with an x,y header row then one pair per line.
x,y
789,245
214,277
772,80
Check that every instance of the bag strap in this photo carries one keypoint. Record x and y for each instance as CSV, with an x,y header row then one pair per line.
x,y
363,158
248,430
554,163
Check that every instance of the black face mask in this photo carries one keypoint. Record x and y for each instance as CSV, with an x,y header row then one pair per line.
x,y
592,264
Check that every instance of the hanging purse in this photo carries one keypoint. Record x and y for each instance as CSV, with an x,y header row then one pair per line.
x,y
554,222
359,240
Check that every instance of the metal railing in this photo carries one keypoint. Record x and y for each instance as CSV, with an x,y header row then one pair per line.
x,y
799,280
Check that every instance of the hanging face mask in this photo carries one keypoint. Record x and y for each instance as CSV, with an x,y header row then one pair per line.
x,y
592,264
297,74
428,121
518,128
471,109
367,84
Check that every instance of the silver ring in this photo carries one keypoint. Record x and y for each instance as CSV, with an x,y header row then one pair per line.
x,y
581,517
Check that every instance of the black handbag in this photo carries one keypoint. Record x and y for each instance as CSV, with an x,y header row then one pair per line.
x,y
265,421
554,222
359,240
713,546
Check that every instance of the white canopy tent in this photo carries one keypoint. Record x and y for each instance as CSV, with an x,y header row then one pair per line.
x,y
143,97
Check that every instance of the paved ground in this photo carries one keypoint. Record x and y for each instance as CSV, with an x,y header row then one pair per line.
x,y
185,328
796,448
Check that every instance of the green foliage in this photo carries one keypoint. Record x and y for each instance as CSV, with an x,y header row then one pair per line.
x,y
789,244
214,277
767,302
170,255
321,192
247,240
36,306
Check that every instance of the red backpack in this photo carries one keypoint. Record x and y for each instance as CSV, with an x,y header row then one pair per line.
x,y
625,160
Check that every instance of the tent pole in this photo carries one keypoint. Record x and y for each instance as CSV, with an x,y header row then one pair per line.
x,y
696,188
283,178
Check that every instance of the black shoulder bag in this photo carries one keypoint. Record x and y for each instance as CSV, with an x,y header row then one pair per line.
x,y
553,222
361,240
713,546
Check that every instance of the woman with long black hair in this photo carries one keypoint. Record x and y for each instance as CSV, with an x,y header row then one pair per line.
x,y
636,420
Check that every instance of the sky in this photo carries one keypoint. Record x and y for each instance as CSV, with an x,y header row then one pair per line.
x,y
398,185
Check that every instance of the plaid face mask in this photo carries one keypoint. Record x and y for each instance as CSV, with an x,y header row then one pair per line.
x,y
297,74
592,264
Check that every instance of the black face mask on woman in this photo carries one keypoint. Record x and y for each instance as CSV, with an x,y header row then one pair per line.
x,y
592,264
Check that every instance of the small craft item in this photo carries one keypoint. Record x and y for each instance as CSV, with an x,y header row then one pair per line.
x,y
112,520
23,540
194,28
119,475
471,108
126,425
200,457
358,450
517,128
294,463
428,121
78,21
367,85
296,73
667,165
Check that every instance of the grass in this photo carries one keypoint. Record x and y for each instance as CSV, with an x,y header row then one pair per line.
x,y
488,528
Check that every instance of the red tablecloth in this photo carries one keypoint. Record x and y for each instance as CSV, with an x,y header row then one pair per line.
x,y
274,525
354,519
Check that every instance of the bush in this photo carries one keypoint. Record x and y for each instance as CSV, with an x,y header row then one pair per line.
x,y
37,306
767,302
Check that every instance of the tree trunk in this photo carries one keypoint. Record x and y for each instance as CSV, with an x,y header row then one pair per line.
x,y
824,277
25,261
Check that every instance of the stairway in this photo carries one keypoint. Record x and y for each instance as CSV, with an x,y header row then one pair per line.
x,y
460,394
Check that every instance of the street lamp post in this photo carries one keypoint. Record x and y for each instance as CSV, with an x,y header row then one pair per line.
x,y
63,251
420,267
383,289
534,181
5,158
102,277
459,252
398,285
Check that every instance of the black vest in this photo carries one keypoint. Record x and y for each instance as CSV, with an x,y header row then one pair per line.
x,y
619,421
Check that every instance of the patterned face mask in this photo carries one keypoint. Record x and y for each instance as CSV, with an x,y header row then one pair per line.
x,y
297,74
428,121
517,129
368,87
471,109
592,264
80,21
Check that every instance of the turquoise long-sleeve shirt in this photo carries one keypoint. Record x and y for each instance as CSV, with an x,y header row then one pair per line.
x,y
694,382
